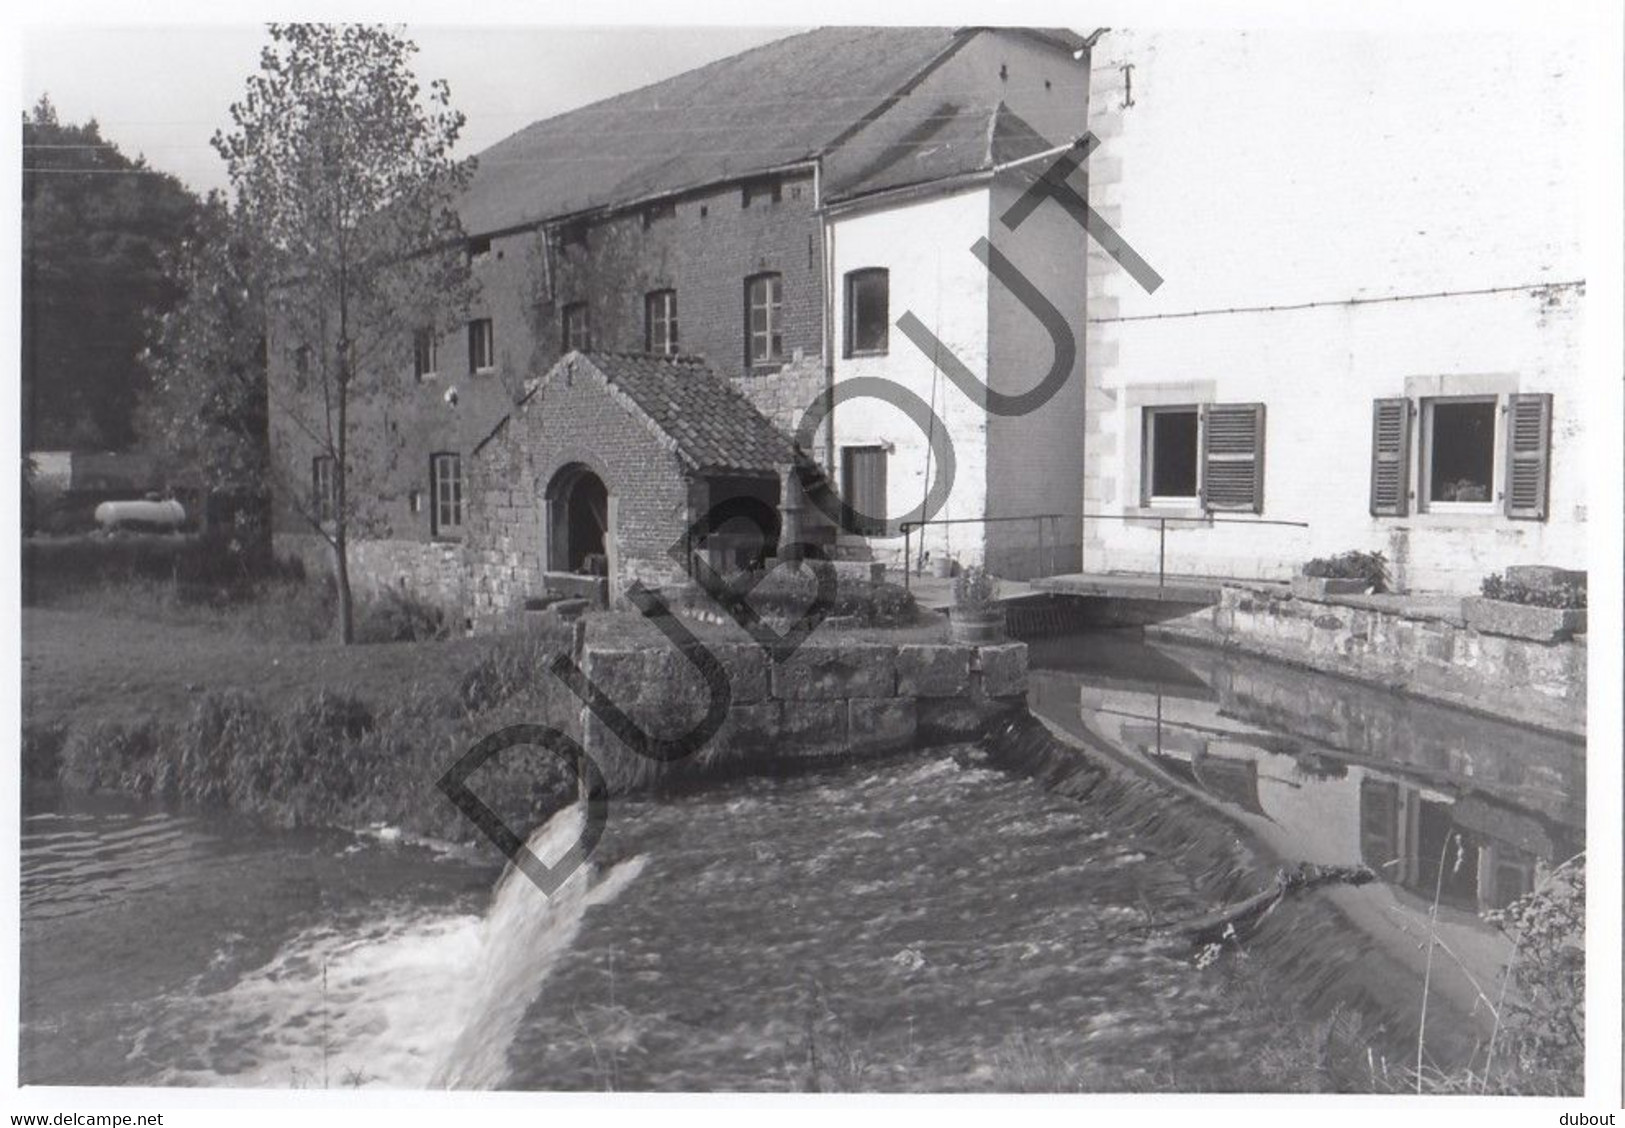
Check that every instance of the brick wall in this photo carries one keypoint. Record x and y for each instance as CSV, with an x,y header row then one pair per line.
x,y
570,419
704,249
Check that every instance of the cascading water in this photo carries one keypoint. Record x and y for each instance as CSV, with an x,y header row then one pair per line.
x,y
411,998
521,940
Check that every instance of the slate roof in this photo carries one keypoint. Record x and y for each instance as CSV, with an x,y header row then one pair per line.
x,y
783,102
709,424
921,145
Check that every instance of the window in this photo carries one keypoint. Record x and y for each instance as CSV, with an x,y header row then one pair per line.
x,y
1458,457
574,235
758,192
866,311
479,248
323,488
1171,449
660,322
446,493
481,346
1210,455
654,213
764,300
425,354
863,486
1463,442
573,329
301,360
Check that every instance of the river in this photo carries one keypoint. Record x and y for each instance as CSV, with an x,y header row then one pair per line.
x,y
923,923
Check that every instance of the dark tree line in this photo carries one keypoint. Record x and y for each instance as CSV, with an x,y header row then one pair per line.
x,y
100,233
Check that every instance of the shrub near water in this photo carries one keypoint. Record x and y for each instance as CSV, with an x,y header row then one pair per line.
x,y
332,759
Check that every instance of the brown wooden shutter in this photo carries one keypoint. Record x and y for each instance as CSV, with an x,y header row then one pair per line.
x,y
1233,457
1529,448
1390,457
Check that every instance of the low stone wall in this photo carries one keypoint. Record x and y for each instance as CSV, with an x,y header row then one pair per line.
x,y
1427,652
829,701
433,571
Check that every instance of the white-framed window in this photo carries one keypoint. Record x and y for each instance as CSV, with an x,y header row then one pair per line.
x,y
446,494
1172,456
481,345
425,355
575,332
323,488
1208,456
867,311
660,322
1459,454
764,314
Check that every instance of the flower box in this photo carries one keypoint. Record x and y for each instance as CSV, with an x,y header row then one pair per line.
x,y
1522,620
1319,587
976,624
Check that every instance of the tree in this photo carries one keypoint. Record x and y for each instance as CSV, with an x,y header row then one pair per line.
x,y
345,183
205,415
97,227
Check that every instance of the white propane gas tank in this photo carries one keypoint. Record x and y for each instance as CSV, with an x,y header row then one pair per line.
x,y
166,515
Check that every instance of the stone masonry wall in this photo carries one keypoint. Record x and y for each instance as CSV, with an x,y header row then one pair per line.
x,y
829,700
1424,655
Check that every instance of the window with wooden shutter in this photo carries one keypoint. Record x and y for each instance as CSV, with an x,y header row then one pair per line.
x,y
1390,457
1233,457
1528,457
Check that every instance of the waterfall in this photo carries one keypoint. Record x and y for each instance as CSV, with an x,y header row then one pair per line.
x,y
521,939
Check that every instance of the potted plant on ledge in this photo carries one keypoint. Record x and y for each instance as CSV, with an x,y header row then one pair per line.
x,y
1349,573
976,616
1535,603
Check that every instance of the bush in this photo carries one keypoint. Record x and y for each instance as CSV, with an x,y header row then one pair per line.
x,y
786,594
1565,596
1372,567
1541,1032
398,616
975,588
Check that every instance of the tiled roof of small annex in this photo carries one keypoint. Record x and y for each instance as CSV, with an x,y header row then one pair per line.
x,y
711,424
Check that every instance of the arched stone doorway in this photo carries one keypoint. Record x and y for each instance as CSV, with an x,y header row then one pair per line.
x,y
578,521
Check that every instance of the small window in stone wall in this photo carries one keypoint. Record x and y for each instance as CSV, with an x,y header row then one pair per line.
x,y
764,315
656,213
660,322
446,492
759,192
481,346
574,330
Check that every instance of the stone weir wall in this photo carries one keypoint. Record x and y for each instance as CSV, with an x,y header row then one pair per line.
x,y
1430,652
830,701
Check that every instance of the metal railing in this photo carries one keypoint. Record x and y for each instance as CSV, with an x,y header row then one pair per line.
x,y
1046,553
1048,566
1162,529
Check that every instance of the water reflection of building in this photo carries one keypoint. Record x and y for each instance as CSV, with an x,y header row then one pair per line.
x,y
1331,773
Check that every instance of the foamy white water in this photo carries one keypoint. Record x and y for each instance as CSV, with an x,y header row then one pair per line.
x,y
413,1001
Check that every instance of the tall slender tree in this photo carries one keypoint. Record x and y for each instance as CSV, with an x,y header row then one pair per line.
x,y
345,181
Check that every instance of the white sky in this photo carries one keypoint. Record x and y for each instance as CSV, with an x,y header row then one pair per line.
x,y
163,91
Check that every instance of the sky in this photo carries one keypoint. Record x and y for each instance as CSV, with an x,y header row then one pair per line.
x,y
162,91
